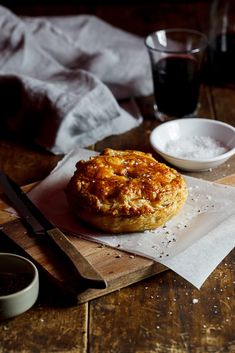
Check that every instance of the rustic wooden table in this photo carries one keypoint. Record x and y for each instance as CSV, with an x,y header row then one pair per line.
x,y
158,314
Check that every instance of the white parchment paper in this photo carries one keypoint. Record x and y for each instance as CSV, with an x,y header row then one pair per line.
x,y
192,244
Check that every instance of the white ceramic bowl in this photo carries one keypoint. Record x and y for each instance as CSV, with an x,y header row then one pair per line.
x,y
180,129
19,285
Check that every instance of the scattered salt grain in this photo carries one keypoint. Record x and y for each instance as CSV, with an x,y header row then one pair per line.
x,y
195,147
195,301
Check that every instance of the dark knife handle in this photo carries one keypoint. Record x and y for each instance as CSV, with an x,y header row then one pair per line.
x,y
85,270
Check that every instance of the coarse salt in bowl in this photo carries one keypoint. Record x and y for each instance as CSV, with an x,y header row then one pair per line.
x,y
194,144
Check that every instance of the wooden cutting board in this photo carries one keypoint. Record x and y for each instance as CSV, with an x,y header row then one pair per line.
x,y
119,268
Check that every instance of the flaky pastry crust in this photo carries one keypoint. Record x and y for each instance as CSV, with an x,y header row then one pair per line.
x,y
125,191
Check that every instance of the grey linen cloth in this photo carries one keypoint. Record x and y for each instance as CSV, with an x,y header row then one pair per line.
x,y
60,78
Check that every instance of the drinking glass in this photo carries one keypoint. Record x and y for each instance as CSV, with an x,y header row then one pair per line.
x,y
176,57
221,49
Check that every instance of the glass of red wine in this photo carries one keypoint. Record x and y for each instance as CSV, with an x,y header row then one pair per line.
x,y
176,57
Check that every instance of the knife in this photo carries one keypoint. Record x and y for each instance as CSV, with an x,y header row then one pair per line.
x,y
39,225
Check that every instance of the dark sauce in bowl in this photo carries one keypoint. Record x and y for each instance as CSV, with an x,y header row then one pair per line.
x,y
13,282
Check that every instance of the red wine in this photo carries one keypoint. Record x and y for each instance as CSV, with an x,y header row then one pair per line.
x,y
221,60
176,85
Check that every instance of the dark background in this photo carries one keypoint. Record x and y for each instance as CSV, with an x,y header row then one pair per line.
x,y
137,16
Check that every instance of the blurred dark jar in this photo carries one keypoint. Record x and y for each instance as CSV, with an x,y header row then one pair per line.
x,y
220,66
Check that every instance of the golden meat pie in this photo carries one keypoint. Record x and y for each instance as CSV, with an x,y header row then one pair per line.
x,y
125,191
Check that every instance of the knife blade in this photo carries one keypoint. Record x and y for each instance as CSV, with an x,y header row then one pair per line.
x,y
38,225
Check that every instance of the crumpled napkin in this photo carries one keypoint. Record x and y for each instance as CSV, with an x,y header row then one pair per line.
x,y
60,78
192,244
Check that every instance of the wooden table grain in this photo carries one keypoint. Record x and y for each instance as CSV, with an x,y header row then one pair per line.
x,y
162,314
